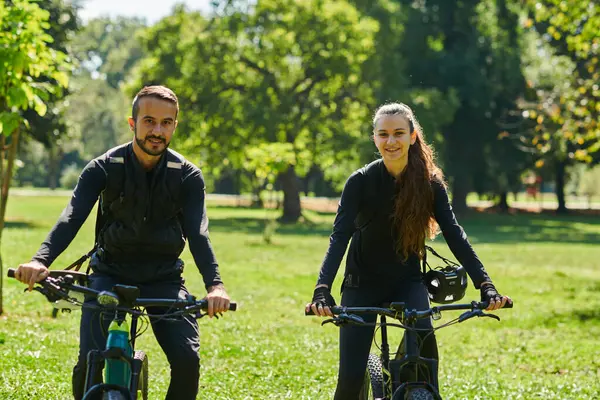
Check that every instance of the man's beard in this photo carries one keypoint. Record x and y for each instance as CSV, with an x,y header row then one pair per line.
x,y
142,143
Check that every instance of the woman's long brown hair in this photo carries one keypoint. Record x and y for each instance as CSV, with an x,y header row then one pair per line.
x,y
413,209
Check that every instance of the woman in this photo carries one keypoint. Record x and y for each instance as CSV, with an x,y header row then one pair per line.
x,y
389,208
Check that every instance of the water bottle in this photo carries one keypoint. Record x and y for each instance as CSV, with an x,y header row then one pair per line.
x,y
118,372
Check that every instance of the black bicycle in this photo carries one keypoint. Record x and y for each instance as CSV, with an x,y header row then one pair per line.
x,y
407,376
125,369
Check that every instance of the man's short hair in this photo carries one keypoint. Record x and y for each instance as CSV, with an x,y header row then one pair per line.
x,y
159,92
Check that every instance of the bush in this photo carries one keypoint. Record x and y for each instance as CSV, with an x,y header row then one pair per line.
x,y
69,176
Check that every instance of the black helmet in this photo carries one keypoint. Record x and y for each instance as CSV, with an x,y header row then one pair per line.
x,y
446,285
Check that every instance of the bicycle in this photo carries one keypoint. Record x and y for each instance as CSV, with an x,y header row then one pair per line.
x,y
408,376
125,368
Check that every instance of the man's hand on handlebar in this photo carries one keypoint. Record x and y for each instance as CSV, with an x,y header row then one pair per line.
x,y
31,272
218,300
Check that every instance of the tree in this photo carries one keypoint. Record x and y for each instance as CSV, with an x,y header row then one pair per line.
x,y
106,50
50,129
571,28
270,71
400,48
25,56
468,50
109,47
565,112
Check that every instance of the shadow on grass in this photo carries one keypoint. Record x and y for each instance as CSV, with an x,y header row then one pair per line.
x,y
494,228
591,316
257,226
20,224
480,227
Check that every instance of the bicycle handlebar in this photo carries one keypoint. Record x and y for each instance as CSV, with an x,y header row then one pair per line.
x,y
398,310
57,287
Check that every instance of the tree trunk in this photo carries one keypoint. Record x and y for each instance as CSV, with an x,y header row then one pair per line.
x,y
460,190
560,186
503,202
292,210
55,154
6,178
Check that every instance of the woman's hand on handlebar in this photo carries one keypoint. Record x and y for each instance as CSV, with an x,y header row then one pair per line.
x,y
31,272
321,302
490,294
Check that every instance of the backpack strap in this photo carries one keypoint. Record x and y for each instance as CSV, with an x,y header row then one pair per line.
x,y
115,181
447,261
175,163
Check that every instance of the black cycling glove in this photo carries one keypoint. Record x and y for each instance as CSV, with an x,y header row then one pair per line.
x,y
489,292
323,296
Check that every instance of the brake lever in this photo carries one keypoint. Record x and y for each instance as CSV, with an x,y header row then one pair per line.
x,y
342,319
335,321
50,296
476,313
199,315
497,318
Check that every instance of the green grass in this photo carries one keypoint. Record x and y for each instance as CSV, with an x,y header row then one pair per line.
x,y
545,348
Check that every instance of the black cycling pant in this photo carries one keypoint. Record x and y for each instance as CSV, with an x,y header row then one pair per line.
x,y
178,338
355,341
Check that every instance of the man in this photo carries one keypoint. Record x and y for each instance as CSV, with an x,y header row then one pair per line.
x,y
151,200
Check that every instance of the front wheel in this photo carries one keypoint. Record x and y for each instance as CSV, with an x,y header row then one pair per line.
x,y
113,395
373,382
419,394
142,381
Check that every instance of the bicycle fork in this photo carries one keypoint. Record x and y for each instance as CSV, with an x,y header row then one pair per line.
x,y
385,359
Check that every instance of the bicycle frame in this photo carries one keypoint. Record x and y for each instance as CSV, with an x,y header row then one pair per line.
x,y
122,300
408,363
120,356
396,384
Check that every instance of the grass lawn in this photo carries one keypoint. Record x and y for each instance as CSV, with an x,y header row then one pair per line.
x,y
547,347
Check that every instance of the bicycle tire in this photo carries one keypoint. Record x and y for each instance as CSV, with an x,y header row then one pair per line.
x,y
373,382
113,395
419,394
142,391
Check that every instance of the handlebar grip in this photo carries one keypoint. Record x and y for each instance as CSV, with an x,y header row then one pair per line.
x,y
11,272
484,305
334,310
204,305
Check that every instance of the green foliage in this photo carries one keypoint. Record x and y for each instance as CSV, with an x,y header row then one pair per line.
x,y
466,55
49,128
268,160
572,31
70,176
25,56
108,48
32,165
284,72
98,116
